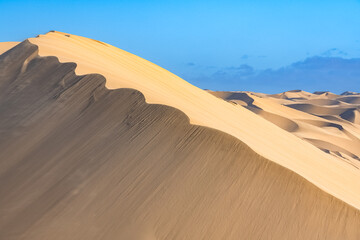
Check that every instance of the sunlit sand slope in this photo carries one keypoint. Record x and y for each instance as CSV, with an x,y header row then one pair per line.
x,y
79,161
4,46
124,70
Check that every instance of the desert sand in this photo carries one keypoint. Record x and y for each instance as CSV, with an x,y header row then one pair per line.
x,y
97,143
328,121
4,46
124,70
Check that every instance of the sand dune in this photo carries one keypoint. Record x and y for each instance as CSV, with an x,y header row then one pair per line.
x,y
318,110
5,46
124,70
326,120
350,93
284,123
351,115
303,95
79,161
323,102
351,99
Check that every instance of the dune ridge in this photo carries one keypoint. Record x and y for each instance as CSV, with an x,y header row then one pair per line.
x,y
5,46
126,169
124,70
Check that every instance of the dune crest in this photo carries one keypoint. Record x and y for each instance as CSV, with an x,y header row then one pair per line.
x,y
125,70
5,46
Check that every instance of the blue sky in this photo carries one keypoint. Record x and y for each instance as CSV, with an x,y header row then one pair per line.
x,y
223,45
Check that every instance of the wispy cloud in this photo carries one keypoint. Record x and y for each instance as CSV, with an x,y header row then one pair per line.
x,y
314,73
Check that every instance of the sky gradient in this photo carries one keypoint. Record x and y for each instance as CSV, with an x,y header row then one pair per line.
x,y
222,45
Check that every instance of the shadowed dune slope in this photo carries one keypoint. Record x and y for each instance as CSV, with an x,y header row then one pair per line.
x,y
79,161
347,93
4,46
351,115
124,70
317,110
351,99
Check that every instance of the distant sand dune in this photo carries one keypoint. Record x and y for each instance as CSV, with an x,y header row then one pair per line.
x,y
317,110
328,121
350,93
351,100
322,102
351,115
303,95
284,123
